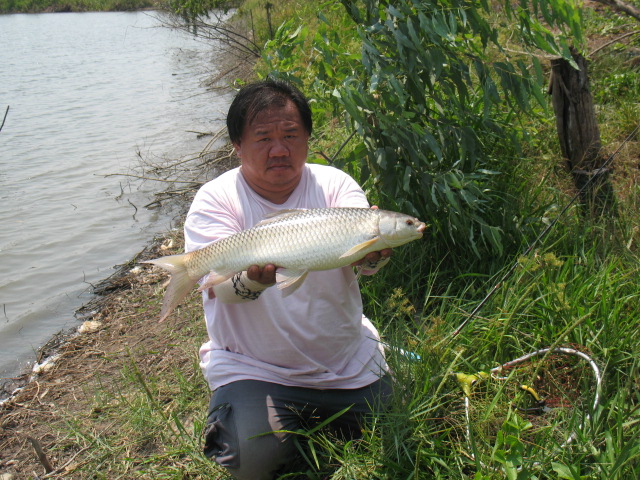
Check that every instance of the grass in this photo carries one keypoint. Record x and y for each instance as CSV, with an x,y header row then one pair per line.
x,y
36,6
583,299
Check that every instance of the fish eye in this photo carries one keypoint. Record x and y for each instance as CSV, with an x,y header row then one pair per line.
x,y
409,222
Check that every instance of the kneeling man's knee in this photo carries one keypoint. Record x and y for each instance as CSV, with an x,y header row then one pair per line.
x,y
246,444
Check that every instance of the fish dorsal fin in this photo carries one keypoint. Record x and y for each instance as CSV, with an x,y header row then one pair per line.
x,y
360,247
289,281
279,215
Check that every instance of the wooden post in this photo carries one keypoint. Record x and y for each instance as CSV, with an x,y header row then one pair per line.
x,y
269,6
580,136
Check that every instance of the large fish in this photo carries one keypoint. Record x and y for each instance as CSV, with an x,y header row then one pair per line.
x,y
296,241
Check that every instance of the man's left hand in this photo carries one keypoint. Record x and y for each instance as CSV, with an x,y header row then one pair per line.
x,y
374,257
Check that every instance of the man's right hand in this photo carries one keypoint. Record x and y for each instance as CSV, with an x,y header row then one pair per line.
x,y
265,275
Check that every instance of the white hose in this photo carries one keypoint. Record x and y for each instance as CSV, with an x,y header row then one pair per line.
x,y
562,350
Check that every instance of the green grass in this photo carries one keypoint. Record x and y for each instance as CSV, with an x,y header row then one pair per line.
x,y
36,6
146,419
586,299
579,290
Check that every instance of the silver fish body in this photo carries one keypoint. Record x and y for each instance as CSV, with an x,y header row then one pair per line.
x,y
296,241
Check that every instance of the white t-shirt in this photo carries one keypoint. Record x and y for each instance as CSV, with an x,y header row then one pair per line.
x,y
318,336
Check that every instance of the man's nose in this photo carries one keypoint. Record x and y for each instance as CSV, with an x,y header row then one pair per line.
x,y
278,148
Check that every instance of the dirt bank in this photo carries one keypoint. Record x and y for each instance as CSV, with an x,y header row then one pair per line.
x,y
120,326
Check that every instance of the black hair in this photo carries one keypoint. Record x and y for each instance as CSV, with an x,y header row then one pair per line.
x,y
259,96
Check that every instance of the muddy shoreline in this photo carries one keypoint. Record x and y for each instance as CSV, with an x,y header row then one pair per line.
x,y
46,355
115,324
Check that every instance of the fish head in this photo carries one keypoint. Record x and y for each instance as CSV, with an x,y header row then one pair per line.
x,y
397,228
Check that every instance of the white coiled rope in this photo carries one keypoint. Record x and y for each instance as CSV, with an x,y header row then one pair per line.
x,y
468,380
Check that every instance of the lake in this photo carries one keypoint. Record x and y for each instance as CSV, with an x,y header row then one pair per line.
x,y
89,95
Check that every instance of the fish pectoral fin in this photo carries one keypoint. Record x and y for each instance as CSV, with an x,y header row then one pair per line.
x,y
289,281
360,247
213,279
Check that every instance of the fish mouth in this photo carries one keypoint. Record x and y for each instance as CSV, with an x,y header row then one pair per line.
x,y
422,227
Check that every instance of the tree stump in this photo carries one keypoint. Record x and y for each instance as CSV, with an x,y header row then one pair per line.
x,y
580,136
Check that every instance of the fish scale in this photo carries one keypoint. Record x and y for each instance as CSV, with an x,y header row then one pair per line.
x,y
296,241
309,238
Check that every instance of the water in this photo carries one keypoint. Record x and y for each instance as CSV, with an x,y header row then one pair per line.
x,y
86,91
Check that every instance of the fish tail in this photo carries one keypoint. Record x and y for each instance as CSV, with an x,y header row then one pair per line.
x,y
179,285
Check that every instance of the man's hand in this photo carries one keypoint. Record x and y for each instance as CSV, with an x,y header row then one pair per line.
x,y
374,257
265,275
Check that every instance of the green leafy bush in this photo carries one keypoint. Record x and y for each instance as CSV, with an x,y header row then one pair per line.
x,y
433,107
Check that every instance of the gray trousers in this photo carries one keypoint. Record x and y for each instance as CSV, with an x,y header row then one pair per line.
x,y
248,422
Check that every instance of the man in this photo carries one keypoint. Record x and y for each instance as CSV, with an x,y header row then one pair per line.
x,y
277,364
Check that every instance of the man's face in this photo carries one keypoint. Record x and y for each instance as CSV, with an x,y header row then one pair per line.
x,y
273,150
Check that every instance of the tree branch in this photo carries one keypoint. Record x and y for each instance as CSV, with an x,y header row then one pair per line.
x,y
5,117
40,454
614,41
623,7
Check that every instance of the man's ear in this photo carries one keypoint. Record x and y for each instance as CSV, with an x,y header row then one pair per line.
x,y
238,150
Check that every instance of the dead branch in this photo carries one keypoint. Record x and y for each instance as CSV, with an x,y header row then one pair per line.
x,y
5,117
58,470
42,457
223,30
142,177
184,176
614,41
136,208
623,7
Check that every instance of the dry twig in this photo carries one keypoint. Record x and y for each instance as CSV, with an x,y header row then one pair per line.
x,y
42,457
5,117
